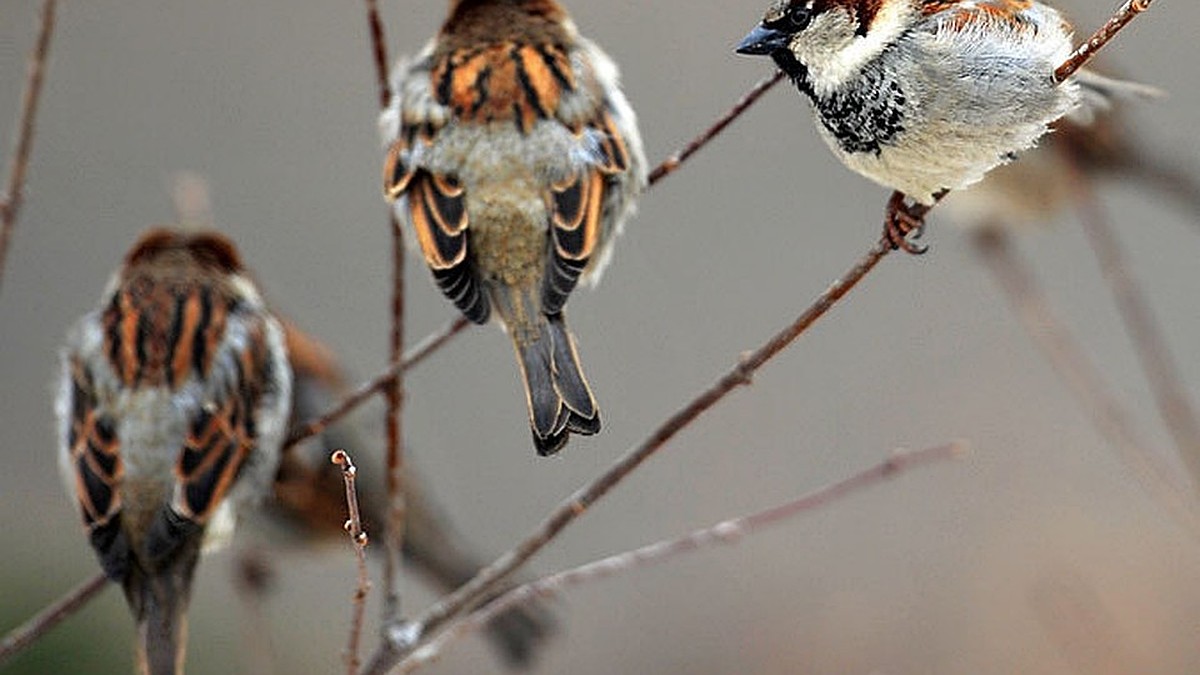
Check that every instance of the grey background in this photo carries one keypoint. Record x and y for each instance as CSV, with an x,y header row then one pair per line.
x,y
959,569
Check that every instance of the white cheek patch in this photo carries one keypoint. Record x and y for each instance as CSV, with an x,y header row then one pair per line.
x,y
833,51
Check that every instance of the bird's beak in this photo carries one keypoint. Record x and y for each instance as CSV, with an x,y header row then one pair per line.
x,y
762,41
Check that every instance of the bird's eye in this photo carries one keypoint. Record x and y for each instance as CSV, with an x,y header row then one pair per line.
x,y
799,17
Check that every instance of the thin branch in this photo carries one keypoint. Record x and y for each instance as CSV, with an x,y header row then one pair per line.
x,y
10,205
1170,395
393,390
402,638
379,51
394,395
1082,378
729,533
355,528
32,630
672,163
1088,50
415,356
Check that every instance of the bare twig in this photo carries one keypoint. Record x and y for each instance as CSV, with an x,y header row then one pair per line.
x,y
32,630
672,163
1149,343
379,51
393,390
728,532
1086,51
394,394
10,204
1083,380
415,356
355,528
402,638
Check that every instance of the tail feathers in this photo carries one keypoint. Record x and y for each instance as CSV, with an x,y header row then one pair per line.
x,y
159,601
560,401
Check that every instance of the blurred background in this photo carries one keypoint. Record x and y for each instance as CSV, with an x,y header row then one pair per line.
x,y
1038,554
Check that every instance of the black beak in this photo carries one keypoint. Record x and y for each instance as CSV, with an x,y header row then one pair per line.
x,y
762,41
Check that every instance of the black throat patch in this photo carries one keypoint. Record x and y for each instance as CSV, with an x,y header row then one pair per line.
x,y
863,116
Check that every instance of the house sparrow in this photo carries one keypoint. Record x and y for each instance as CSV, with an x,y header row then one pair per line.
x,y
171,410
924,96
516,159
309,498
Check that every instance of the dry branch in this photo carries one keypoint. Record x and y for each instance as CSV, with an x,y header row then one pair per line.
x,y
32,630
1149,343
1082,378
10,203
394,390
729,532
1088,50
358,537
415,356
672,163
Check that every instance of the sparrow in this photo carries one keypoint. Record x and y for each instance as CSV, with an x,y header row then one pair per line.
x,y
308,498
516,158
924,96
172,405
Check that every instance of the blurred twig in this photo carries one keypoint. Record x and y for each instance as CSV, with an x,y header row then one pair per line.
x,y
354,527
1149,343
729,532
1083,380
32,630
403,638
10,202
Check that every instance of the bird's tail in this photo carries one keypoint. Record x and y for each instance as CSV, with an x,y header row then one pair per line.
x,y
159,601
559,398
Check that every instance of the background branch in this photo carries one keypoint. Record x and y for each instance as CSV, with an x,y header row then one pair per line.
x,y
394,389
1083,380
32,630
728,532
1149,343
10,203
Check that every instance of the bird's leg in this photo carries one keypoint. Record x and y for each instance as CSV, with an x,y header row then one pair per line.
x,y
903,220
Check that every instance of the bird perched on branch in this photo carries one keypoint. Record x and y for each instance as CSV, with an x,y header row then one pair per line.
x,y
171,411
925,96
516,158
